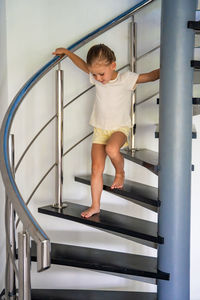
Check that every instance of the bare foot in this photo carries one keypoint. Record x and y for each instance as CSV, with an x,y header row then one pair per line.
x,y
118,182
90,212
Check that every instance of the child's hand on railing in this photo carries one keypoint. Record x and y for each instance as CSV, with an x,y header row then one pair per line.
x,y
61,51
79,62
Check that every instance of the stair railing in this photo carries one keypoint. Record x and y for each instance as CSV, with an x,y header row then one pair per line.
x,y
30,226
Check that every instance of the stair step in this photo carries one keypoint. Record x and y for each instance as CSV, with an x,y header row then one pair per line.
x,y
194,25
195,64
194,132
143,157
136,192
109,221
103,260
51,294
195,101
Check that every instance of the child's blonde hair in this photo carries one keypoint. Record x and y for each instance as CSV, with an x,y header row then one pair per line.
x,y
100,52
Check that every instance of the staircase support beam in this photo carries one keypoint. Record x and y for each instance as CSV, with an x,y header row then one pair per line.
x,y
177,47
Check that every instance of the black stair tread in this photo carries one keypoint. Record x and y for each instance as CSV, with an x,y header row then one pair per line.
x,y
131,190
195,100
53,294
194,25
144,157
107,220
103,260
194,132
195,64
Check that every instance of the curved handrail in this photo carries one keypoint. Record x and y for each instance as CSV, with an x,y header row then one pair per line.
x,y
29,222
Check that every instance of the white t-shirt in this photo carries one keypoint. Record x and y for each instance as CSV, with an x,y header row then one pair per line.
x,y
112,107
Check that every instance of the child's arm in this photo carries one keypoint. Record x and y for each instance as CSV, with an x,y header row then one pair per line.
x,y
79,62
151,76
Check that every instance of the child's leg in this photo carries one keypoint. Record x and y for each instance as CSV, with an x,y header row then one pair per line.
x,y
116,141
98,164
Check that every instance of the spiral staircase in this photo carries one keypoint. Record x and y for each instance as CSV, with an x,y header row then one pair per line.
x,y
34,244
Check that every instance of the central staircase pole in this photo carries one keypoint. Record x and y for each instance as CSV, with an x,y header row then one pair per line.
x,y
177,47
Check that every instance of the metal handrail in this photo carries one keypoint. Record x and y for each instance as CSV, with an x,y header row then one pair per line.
x,y
29,222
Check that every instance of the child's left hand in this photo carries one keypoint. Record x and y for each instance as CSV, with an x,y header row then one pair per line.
x,y
60,51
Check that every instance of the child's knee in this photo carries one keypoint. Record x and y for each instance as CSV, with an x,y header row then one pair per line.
x,y
97,169
111,150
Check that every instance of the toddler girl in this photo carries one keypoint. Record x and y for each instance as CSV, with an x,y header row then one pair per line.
x,y
110,116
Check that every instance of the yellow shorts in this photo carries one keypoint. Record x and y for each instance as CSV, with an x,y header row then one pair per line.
x,y
101,136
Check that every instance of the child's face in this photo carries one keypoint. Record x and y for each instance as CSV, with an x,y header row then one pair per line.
x,y
103,72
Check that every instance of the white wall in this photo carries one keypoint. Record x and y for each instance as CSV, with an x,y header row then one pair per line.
x,y
34,30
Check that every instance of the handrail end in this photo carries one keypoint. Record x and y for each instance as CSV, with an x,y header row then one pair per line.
x,y
43,255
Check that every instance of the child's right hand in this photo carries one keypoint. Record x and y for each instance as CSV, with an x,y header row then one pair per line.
x,y
60,51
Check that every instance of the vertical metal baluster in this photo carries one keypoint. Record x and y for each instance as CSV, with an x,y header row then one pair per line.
x,y
133,58
59,153
10,279
24,266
